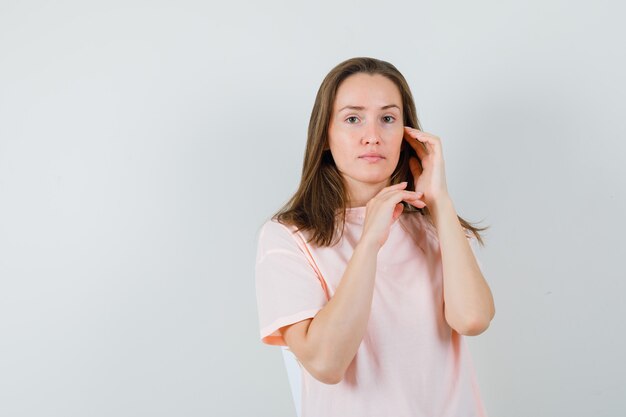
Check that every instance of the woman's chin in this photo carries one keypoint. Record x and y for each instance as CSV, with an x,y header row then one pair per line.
x,y
375,179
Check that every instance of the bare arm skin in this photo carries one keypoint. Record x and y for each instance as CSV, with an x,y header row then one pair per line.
x,y
469,306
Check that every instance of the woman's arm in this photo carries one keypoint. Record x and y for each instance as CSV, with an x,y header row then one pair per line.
x,y
468,301
327,344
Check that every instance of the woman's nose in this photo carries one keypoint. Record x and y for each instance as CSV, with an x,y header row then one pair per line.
x,y
370,135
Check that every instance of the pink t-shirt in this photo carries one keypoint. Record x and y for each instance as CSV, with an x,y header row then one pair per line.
x,y
410,363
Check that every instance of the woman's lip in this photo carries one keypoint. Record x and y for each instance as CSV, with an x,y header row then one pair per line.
x,y
371,158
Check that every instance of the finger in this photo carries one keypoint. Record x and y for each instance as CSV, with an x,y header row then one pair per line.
x,y
432,142
417,203
402,195
420,133
423,136
397,186
387,190
397,211
411,137
416,200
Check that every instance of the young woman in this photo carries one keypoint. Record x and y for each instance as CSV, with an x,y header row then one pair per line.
x,y
367,274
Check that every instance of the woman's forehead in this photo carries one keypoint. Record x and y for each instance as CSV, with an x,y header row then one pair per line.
x,y
366,91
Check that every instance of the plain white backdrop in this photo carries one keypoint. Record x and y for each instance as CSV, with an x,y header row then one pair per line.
x,y
142,144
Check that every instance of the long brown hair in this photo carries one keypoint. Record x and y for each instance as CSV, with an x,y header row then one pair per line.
x,y
319,204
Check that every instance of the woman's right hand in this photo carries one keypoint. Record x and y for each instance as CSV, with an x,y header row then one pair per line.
x,y
384,209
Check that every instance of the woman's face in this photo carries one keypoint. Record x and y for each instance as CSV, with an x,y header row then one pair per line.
x,y
366,129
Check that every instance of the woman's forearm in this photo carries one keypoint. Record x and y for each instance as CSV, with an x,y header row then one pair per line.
x,y
337,330
468,301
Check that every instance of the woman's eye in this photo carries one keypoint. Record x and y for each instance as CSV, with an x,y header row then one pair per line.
x,y
352,119
389,119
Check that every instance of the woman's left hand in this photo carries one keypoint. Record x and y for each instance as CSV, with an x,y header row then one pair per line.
x,y
430,177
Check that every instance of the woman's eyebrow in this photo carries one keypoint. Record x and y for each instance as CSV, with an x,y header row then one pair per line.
x,y
350,107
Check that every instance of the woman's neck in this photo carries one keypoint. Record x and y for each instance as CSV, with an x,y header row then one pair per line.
x,y
359,193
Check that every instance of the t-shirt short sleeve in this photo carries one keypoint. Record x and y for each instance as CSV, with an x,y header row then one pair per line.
x,y
288,288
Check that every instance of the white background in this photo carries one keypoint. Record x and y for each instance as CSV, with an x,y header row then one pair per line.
x,y
142,144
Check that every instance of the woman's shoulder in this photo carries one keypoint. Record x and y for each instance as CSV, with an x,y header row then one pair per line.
x,y
274,227
283,240
274,232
